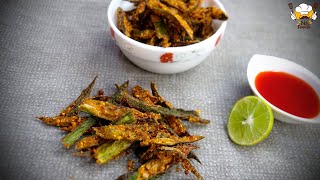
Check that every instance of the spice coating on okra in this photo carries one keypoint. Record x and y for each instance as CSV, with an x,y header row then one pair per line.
x,y
169,23
112,126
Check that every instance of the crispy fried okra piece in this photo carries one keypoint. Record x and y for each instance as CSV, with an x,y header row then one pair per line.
x,y
178,4
164,160
139,12
131,132
125,97
161,30
73,136
172,140
177,126
111,112
155,167
62,121
182,149
193,4
110,150
103,109
213,12
161,101
142,34
144,95
89,141
143,133
123,23
73,109
162,10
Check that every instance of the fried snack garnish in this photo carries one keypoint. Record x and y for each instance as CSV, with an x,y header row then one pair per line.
x,y
112,126
174,22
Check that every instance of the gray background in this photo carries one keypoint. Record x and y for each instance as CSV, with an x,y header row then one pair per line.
x,y
50,50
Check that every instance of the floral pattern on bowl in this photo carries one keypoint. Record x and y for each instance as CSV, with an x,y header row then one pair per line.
x,y
166,58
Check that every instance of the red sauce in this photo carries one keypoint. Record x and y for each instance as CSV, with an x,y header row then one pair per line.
x,y
289,93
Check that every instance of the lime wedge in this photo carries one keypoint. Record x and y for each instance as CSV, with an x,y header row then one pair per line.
x,y
250,121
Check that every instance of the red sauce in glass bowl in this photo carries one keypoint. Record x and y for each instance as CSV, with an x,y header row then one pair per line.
x,y
289,93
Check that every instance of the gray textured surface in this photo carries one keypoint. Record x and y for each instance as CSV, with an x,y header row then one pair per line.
x,y
49,50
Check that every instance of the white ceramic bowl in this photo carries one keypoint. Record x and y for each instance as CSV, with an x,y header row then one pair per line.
x,y
165,60
260,63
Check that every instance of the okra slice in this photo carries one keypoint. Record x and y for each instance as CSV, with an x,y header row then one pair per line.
x,y
143,95
131,132
110,150
177,126
162,102
73,136
73,109
89,141
186,164
170,141
111,112
103,109
217,13
193,4
123,96
144,34
160,29
62,121
182,149
155,167
124,24
163,10
178,4
139,11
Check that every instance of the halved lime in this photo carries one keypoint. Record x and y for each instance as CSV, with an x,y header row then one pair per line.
x,y
250,121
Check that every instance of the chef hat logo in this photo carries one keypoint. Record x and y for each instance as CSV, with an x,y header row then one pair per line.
x,y
304,13
303,8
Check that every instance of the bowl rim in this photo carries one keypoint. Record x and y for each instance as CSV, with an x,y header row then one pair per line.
x,y
157,48
251,80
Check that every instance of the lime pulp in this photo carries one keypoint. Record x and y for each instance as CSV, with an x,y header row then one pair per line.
x,y
250,121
